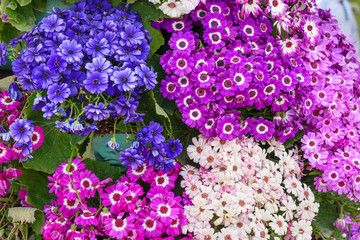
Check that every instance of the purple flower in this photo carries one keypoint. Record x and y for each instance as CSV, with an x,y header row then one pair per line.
x,y
21,130
58,93
44,76
71,51
124,80
3,53
173,148
97,49
154,132
57,63
96,113
123,107
100,65
147,76
131,36
96,82
263,129
228,128
132,158
53,24
49,109
4,17
14,92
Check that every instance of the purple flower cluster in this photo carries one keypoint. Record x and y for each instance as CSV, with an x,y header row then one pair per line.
x,y
150,148
349,226
86,63
235,69
125,211
331,107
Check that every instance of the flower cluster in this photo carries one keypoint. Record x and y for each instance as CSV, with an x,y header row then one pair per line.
x,y
174,8
86,63
5,177
240,191
349,226
236,70
19,136
332,110
125,212
150,147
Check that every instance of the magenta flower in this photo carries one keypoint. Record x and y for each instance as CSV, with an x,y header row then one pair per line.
x,y
120,227
150,225
263,129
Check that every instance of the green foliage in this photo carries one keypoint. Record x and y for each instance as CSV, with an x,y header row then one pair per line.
x,y
147,10
23,2
22,18
153,112
292,141
36,182
185,134
157,38
39,5
56,147
39,222
325,219
169,106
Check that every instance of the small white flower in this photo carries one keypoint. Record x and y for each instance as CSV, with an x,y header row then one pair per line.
x,y
172,8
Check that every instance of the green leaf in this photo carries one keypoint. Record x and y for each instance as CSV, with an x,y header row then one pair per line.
x,y
71,1
56,147
185,134
37,187
22,18
23,2
8,32
147,10
39,222
157,38
39,5
4,4
103,170
12,5
166,104
148,106
291,141
325,219
116,3
82,145
131,1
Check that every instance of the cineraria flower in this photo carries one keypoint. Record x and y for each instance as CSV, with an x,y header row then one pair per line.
x,y
22,130
3,53
71,51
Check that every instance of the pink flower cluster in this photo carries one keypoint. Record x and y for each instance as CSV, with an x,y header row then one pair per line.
x,y
332,107
5,178
19,136
240,192
126,210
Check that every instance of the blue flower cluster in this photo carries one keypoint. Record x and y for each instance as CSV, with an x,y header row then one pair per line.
x,y
86,63
151,148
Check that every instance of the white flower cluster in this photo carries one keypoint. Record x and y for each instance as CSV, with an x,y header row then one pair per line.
x,y
175,8
239,193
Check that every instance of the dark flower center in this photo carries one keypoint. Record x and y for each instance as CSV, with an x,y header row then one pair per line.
x,y
58,92
21,130
56,63
124,79
275,3
116,197
96,82
214,24
52,25
164,209
86,184
149,223
215,37
173,147
154,133
131,159
119,223
182,44
161,180
309,28
179,26
182,63
97,47
71,52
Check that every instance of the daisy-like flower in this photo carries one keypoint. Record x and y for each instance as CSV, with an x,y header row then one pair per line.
x,y
96,82
71,51
311,28
5,153
181,63
276,7
58,93
263,129
124,79
311,142
182,41
22,130
293,186
194,151
150,225
7,103
120,227
251,7
172,8
38,137
167,211
289,46
114,197
228,128
302,230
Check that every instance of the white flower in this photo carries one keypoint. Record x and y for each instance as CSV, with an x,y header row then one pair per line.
x,y
292,185
307,210
289,206
155,1
189,5
172,8
228,234
194,151
279,225
301,230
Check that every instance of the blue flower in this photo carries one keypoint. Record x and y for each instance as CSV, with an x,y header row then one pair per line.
x,y
124,80
96,113
97,48
124,107
131,158
22,130
154,133
58,93
53,24
3,53
44,77
75,82
96,82
113,144
100,65
14,92
147,76
49,109
57,64
39,103
71,51
173,148
131,36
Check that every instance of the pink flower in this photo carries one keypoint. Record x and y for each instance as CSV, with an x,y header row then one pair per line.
x,y
84,181
114,197
164,180
150,225
23,198
166,210
87,218
5,153
38,137
119,228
